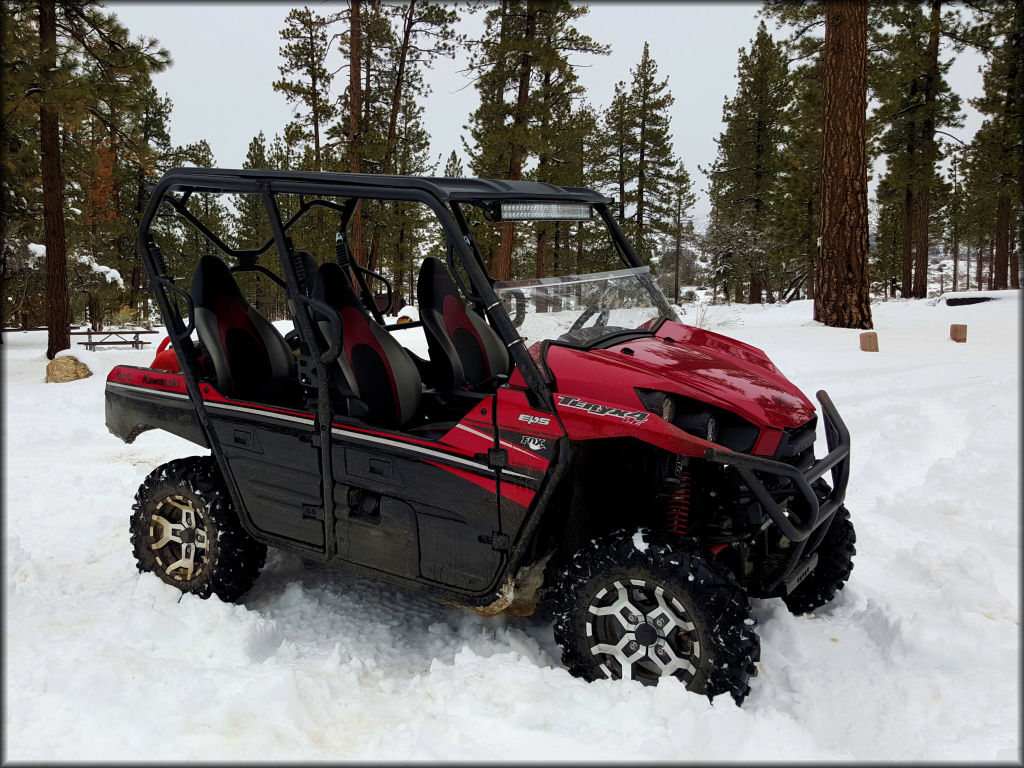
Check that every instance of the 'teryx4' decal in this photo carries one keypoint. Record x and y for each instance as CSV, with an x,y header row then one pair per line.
x,y
637,417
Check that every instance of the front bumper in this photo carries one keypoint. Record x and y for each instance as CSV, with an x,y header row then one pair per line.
x,y
818,510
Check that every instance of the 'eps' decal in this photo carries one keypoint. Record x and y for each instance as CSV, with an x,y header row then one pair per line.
x,y
542,420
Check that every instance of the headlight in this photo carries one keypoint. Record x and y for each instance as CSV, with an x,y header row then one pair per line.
x,y
668,409
701,424
708,422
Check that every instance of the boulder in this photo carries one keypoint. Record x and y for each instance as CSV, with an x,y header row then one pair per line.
x,y
66,368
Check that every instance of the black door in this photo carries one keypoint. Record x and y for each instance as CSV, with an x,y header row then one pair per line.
x,y
415,507
276,468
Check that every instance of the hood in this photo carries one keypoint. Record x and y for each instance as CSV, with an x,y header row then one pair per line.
x,y
688,361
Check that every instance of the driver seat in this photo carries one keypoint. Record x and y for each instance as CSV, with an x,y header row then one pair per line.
x,y
465,352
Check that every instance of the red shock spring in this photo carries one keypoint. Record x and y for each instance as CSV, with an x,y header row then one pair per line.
x,y
677,512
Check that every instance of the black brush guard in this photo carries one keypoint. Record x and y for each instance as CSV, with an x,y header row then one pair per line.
x,y
819,511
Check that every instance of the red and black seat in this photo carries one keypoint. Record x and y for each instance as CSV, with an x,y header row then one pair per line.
x,y
250,357
465,352
373,365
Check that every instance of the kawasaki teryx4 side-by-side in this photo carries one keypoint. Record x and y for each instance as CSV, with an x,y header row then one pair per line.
x,y
559,439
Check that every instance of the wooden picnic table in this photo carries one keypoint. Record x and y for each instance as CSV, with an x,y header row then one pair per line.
x,y
122,337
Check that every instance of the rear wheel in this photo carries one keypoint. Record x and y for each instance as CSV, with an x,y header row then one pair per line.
x,y
632,606
185,530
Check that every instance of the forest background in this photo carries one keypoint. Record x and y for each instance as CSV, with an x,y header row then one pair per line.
x,y
74,76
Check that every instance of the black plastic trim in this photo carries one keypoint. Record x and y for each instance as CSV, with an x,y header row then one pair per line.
x,y
837,461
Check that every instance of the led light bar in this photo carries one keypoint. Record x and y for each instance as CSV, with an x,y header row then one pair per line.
x,y
568,211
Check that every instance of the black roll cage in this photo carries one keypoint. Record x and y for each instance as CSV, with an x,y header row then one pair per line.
x,y
442,196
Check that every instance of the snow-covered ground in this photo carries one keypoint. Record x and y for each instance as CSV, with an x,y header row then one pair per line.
x,y
917,659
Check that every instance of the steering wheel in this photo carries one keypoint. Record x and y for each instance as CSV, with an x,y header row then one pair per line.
x,y
589,312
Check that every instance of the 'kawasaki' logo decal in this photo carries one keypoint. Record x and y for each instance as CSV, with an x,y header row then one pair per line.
x,y
159,381
637,417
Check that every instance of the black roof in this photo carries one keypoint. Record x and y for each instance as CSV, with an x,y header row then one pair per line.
x,y
320,182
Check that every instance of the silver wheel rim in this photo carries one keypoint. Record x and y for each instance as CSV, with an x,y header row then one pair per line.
x,y
179,535
638,631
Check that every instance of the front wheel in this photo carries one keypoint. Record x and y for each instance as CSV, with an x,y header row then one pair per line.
x,y
638,607
185,530
835,562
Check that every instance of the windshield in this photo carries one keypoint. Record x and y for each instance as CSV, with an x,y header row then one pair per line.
x,y
584,310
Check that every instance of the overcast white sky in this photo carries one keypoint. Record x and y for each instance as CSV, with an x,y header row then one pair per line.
x,y
226,57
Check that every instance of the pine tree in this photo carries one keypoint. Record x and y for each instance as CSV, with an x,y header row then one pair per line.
x,y
427,31
181,243
798,196
309,91
998,148
679,226
526,42
655,162
355,102
616,158
402,43
979,204
19,128
113,141
453,167
915,103
746,175
403,224
956,212
84,58
153,155
252,229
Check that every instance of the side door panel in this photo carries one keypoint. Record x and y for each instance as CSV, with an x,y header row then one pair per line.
x,y
276,468
416,507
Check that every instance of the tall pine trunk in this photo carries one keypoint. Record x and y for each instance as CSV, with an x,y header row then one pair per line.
x,y
355,106
991,263
756,286
396,94
503,262
1002,253
1014,267
928,151
920,237
967,267
396,102
956,263
907,243
842,299
58,305
675,272
812,271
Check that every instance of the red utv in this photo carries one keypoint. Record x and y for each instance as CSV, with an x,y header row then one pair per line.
x,y
562,438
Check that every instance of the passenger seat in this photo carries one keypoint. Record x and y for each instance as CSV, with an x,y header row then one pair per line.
x,y
375,366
